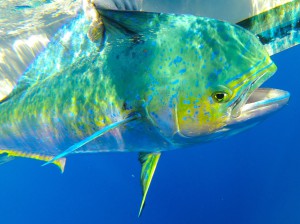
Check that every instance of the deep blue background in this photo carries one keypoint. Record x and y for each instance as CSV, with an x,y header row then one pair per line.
x,y
253,177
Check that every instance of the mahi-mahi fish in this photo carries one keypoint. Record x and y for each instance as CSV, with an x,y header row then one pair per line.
x,y
156,82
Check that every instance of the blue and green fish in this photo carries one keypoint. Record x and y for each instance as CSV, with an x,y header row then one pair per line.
x,y
149,83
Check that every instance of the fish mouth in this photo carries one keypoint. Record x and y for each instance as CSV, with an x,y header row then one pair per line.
x,y
261,102
255,102
264,71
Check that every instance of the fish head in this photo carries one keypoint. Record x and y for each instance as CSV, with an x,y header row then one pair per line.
x,y
208,85
198,78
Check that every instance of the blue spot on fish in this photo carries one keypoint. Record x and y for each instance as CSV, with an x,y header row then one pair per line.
x,y
201,46
182,71
175,82
187,102
218,71
213,55
177,60
150,98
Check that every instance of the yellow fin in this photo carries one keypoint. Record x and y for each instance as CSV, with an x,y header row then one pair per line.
x,y
149,162
13,153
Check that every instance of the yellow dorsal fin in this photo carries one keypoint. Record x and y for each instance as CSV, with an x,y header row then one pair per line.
x,y
14,153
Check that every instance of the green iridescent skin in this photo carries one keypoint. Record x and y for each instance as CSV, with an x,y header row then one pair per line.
x,y
166,68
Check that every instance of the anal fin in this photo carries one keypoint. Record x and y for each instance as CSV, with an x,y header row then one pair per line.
x,y
8,155
149,162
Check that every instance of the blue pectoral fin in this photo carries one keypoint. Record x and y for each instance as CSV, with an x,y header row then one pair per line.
x,y
93,137
149,162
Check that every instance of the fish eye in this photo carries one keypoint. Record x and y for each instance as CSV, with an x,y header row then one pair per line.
x,y
220,97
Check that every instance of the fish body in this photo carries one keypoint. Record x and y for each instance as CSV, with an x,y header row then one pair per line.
x,y
73,89
159,82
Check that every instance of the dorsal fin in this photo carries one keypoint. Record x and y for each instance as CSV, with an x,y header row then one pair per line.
x,y
130,22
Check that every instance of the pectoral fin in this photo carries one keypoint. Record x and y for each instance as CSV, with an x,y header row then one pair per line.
x,y
93,137
149,162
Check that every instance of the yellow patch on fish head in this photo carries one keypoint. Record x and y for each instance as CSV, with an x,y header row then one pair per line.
x,y
204,113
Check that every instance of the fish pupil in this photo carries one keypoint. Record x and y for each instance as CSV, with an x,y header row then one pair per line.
x,y
220,96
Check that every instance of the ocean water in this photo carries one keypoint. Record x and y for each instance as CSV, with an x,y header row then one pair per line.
x,y
251,178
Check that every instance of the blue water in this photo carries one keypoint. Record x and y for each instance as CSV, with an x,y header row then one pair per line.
x,y
251,178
